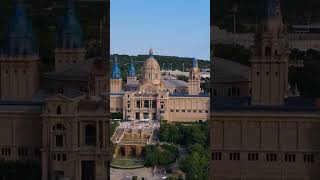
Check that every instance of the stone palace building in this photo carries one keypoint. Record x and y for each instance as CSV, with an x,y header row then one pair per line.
x,y
154,97
267,135
61,117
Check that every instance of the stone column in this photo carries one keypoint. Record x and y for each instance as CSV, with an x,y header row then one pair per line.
x,y
127,151
80,135
97,136
138,151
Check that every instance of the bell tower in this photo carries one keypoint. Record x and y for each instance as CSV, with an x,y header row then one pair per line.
x,y
194,78
269,64
131,77
19,60
116,80
70,48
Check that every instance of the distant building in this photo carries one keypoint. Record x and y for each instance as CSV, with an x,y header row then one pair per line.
x,y
156,98
268,135
297,40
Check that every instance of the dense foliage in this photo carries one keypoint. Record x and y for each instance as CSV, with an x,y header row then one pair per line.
x,y
162,155
195,137
116,115
184,134
18,170
196,163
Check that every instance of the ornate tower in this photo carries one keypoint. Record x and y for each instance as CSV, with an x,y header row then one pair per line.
x,y
19,59
76,138
269,64
131,77
116,80
70,48
194,78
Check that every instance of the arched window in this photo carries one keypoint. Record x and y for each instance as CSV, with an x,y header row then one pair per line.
x,y
90,135
58,110
267,51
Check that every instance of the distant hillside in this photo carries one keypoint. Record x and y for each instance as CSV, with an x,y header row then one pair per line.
x,y
164,62
249,11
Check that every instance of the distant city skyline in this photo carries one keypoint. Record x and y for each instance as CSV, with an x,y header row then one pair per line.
x,y
171,28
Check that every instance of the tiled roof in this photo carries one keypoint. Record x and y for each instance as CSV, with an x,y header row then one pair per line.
x,y
203,94
224,70
173,83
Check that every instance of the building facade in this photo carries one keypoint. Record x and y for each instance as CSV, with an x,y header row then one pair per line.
x,y
156,98
62,122
268,135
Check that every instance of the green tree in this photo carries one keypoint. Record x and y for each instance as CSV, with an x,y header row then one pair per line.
x,y
196,163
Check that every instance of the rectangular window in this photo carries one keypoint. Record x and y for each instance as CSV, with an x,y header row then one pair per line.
x,y
200,111
194,111
59,140
308,158
253,157
289,157
189,111
171,110
216,156
145,115
146,104
271,157
234,156
177,110
138,116
64,157
138,104
183,110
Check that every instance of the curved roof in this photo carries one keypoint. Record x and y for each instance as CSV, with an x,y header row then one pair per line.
x,y
70,33
229,71
19,37
174,83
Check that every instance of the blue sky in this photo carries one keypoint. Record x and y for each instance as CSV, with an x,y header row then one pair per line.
x,y
170,27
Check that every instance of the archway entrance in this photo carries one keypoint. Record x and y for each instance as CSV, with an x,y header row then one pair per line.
x,y
133,151
88,170
122,151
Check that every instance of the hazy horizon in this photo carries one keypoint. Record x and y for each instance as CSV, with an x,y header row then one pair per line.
x,y
171,28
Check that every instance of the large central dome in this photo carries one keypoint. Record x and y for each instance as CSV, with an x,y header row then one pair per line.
x,y
151,70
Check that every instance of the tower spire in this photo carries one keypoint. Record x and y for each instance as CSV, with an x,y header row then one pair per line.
x,y
194,62
132,70
116,73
